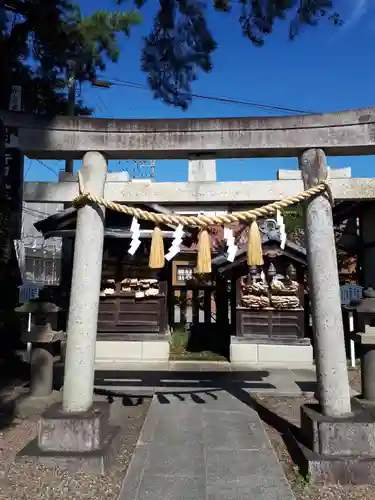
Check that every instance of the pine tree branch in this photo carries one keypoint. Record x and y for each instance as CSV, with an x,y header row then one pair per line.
x,y
180,44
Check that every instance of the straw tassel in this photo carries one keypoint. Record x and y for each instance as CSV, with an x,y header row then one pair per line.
x,y
157,249
204,253
254,246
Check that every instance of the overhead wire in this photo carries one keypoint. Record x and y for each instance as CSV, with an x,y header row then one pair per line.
x,y
28,168
43,164
225,100
47,167
34,211
105,105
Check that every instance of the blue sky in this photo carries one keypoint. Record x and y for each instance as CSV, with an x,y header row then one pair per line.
x,y
325,69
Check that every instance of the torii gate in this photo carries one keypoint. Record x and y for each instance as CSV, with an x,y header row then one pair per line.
x,y
95,140
344,133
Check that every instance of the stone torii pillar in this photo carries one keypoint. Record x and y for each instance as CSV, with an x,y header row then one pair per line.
x,y
338,433
79,429
85,291
330,356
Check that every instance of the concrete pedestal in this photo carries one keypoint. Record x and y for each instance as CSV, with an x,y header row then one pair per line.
x,y
147,350
271,353
83,442
366,343
368,371
41,370
367,355
338,449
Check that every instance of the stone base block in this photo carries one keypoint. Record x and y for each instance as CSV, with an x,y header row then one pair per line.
x,y
123,351
359,401
285,354
338,470
338,450
90,462
155,351
353,435
84,441
87,431
243,353
272,354
29,406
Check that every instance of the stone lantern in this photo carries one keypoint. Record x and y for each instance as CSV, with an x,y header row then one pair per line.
x,y
366,338
44,340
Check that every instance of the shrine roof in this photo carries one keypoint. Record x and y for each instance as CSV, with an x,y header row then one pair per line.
x,y
117,225
274,242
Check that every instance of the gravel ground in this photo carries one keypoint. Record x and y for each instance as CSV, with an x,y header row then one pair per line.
x,y
26,480
289,410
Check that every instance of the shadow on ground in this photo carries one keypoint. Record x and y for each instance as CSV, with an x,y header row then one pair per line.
x,y
200,387
14,379
171,382
289,432
132,386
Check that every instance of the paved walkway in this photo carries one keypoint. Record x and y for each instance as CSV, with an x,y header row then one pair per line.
x,y
209,448
148,378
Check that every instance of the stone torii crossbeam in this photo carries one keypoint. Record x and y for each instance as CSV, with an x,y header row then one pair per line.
x,y
343,133
80,427
246,192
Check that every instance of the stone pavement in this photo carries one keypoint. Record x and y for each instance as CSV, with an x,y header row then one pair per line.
x,y
168,378
211,447
148,378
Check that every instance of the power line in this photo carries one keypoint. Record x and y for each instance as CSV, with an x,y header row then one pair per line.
x,y
104,105
28,168
99,108
225,100
44,165
35,211
47,167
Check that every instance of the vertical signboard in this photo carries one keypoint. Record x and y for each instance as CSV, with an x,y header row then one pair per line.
x,y
12,175
13,181
4,212
15,100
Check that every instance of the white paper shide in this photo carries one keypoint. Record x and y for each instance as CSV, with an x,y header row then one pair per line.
x,y
175,248
280,223
135,241
231,246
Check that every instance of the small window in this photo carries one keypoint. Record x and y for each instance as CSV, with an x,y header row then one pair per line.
x,y
184,273
41,270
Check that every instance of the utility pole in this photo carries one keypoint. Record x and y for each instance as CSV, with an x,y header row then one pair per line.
x,y
67,243
69,163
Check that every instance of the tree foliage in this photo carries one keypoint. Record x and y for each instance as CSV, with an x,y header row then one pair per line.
x,y
181,44
43,41
294,225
